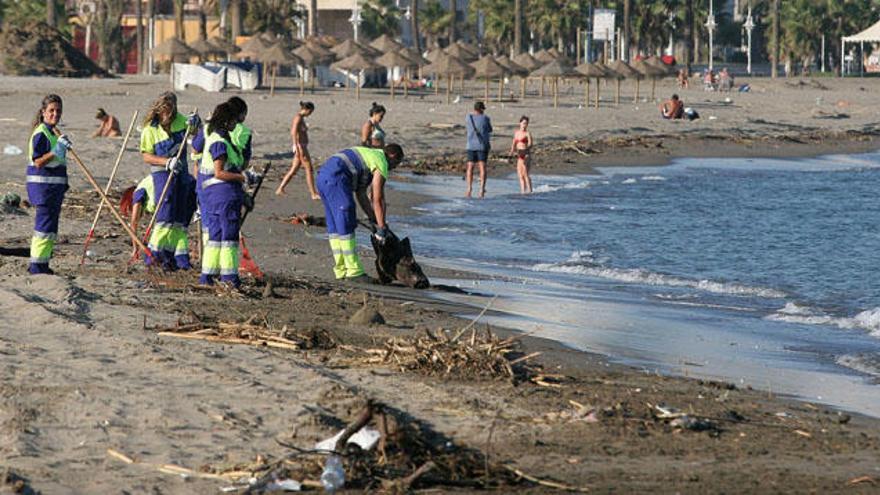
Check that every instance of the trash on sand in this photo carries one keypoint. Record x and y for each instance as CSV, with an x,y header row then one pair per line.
x,y
11,200
862,479
692,423
285,485
333,477
11,149
366,438
666,412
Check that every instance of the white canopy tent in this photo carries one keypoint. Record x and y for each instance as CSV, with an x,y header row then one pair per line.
x,y
870,35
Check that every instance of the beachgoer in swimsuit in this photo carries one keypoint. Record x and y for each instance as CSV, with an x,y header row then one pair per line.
x,y
672,109
372,134
522,146
109,125
300,134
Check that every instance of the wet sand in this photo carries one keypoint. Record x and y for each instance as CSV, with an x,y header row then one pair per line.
x,y
85,371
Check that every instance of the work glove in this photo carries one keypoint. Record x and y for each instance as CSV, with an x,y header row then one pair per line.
x,y
381,234
172,165
61,146
193,121
252,177
248,202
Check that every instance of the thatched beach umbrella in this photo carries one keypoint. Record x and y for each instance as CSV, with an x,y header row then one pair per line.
x,y
350,47
357,62
277,55
474,51
488,68
228,47
591,71
529,63
391,60
253,47
311,58
173,48
554,70
543,56
669,70
624,71
451,66
460,53
386,44
511,68
205,49
650,72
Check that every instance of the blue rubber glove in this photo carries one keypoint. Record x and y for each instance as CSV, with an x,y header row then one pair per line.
x,y
252,178
193,121
61,146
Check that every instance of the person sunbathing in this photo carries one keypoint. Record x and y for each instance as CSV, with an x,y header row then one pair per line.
x,y
672,109
109,126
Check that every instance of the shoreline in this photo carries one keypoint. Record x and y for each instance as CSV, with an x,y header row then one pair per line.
x,y
89,372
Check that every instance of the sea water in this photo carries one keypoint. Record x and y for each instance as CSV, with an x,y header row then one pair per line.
x,y
759,271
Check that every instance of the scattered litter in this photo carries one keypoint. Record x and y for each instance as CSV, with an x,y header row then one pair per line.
x,y
366,438
11,149
783,415
286,485
862,479
333,477
666,412
803,433
250,333
693,423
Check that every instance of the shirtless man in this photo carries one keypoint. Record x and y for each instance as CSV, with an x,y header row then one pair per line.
x,y
109,125
300,134
672,109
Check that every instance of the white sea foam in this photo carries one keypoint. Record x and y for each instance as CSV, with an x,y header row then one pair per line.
x,y
864,363
630,181
792,313
545,188
582,263
656,178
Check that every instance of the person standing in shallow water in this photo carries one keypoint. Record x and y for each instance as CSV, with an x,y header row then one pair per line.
x,y
299,133
479,139
522,147
46,181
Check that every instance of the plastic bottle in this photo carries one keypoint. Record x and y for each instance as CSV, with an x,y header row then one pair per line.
x,y
333,477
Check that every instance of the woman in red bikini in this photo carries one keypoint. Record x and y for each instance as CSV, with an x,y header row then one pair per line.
x,y
522,146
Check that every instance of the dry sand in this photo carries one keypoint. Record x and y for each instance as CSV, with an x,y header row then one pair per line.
x,y
84,371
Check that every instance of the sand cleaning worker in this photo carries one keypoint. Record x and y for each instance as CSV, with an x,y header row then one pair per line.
x,y
372,134
347,175
162,137
222,177
242,138
46,181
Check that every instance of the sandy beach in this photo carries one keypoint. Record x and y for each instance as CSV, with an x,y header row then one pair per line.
x,y
95,400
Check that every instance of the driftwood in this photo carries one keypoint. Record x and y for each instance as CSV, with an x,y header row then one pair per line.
x,y
248,333
548,484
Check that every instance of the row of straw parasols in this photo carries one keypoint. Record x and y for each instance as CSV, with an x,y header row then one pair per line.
x,y
459,60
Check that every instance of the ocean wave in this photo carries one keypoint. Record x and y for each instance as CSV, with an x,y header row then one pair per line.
x,y
868,364
630,181
793,313
582,263
546,188
656,178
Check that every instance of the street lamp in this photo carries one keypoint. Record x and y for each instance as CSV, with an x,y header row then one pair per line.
x,y
671,21
749,25
355,19
711,25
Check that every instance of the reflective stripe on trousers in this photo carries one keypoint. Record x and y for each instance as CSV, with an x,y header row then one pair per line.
x,y
347,264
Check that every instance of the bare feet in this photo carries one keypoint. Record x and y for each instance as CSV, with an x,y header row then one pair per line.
x,y
467,194
316,197
280,192
482,193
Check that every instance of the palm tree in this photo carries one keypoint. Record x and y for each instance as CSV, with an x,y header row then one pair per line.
x,y
688,34
313,17
774,54
50,13
151,11
453,18
414,25
108,33
497,25
277,17
436,22
179,27
380,17
627,32
517,26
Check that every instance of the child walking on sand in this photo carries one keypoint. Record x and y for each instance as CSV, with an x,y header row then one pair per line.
x,y
521,147
299,132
